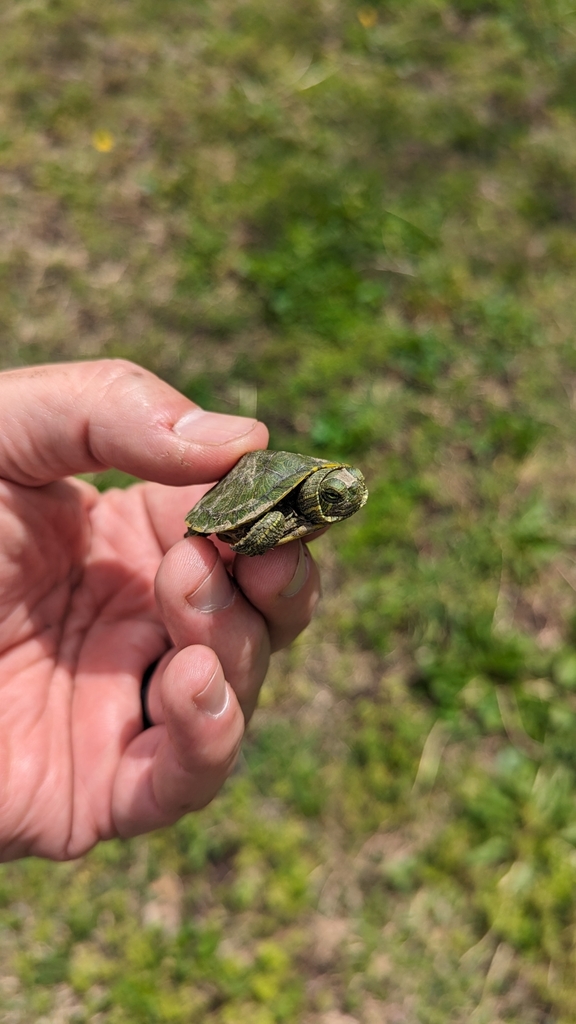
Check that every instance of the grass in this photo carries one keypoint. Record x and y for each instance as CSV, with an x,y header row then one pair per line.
x,y
360,222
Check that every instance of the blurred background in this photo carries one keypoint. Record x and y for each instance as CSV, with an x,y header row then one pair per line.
x,y
359,222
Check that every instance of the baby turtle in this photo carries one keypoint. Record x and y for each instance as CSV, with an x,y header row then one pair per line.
x,y
269,498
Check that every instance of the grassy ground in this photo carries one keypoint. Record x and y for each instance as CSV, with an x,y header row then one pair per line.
x,y
360,221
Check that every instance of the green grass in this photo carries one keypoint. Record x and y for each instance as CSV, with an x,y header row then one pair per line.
x,y
360,222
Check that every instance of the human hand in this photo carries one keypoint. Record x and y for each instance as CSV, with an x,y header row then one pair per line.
x,y
94,588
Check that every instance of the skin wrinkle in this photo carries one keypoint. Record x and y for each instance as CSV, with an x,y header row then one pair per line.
x,y
28,373
68,681
17,438
20,637
10,428
178,807
76,583
226,765
151,789
56,593
248,654
123,373
42,772
115,370
194,803
87,388
31,604
69,648
72,844
33,454
6,776
154,737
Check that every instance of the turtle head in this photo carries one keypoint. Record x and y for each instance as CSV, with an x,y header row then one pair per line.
x,y
333,494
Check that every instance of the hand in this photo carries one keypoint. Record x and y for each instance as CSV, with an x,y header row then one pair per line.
x,y
94,588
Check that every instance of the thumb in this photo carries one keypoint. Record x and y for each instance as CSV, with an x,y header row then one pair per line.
x,y
85,417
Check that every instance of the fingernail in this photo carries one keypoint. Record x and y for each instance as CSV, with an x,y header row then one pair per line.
x,y
216,592
300,573
212,427
213,699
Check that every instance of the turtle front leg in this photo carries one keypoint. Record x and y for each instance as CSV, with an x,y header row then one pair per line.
x,y
264,535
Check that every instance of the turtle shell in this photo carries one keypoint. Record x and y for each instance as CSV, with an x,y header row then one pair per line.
x,y
257,482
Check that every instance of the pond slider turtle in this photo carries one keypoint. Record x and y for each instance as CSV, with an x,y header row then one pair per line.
x,y
269,498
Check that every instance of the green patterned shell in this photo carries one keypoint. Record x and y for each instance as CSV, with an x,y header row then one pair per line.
x,y
257,482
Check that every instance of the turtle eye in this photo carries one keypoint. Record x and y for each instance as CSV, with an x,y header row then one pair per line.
x,y
333,491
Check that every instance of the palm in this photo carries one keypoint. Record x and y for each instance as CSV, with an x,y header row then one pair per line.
x,y
79,626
